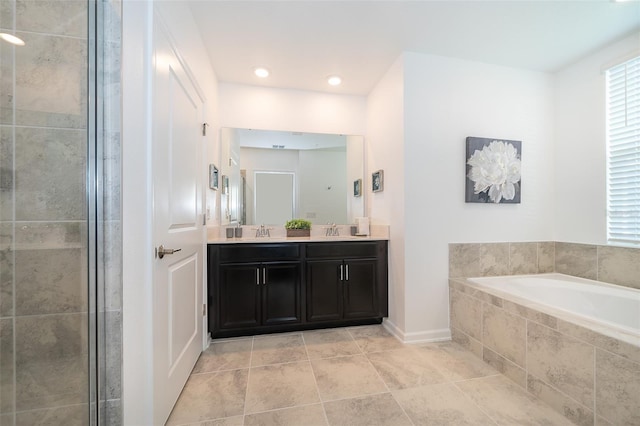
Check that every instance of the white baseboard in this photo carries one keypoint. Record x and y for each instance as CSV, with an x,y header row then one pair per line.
x,y
428,336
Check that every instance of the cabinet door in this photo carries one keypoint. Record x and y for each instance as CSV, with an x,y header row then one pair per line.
x,y
324,290
360,295
280,293
240,295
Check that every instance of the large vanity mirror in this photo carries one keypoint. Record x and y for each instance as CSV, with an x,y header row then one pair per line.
x,y
271,176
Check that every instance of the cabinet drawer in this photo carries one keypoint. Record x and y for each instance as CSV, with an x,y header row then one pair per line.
x,y
342,250
258,252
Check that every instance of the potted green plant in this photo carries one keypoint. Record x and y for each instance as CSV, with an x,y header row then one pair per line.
x,y
298,228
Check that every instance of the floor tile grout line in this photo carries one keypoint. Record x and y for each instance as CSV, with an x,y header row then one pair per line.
x,y
246,391
468,398
315,380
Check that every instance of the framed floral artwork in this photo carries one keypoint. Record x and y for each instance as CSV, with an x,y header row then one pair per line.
x,y
493,171
377,181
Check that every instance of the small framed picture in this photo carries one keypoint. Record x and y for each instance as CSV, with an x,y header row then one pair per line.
x,y
377,181
357,188
225,184
213,177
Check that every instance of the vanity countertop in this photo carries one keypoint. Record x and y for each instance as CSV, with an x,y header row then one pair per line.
x,y
215,235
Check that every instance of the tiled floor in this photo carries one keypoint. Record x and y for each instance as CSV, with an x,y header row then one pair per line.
x,y
350,376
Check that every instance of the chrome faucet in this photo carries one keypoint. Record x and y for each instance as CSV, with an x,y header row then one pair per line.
x,y
262,232
332,231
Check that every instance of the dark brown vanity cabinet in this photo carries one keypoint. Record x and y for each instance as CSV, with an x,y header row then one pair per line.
x,y
271,287
346,281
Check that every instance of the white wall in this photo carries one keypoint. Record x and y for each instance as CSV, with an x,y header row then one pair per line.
x,y
385,150
446,100
257,107
137,183
256,159
323,175
581,204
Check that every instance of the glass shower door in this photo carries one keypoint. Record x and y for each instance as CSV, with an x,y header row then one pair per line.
x,y
53,229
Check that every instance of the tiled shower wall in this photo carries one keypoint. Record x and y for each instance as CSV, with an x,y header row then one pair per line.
x,y
44,325
111,356
616,265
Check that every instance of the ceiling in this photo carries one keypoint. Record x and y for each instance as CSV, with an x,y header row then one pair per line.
x,y
303,42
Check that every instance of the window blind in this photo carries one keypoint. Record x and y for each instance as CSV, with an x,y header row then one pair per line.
x,y
623,142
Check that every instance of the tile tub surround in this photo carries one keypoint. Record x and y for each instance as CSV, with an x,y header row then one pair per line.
x,y
615,265
350,376
587,376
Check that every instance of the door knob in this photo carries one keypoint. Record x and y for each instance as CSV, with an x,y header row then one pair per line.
x,y
161,251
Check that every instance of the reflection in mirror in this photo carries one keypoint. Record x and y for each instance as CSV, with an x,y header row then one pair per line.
x,y
318,171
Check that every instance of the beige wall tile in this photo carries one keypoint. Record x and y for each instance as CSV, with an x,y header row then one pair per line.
x,y
610,344
523,258
74,415
619,265
6,366
464,260
455,362
62,17
51,360
51,80
617,389
50,281
504,333
469,343
113,354
546,257
530,314
466,314
515,373
568,407
6,165
561,361
6,269
579,260
50,174
494,259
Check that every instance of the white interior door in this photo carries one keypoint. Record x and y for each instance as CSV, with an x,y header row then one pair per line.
x,y
177,224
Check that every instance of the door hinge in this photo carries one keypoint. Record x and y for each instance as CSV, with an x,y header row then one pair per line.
x,y
204,309
204,129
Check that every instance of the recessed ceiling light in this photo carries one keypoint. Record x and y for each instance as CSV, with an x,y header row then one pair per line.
x,y
261,72
12,39
334,80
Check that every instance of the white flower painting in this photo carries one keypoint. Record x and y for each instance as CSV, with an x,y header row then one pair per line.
x,y
493,170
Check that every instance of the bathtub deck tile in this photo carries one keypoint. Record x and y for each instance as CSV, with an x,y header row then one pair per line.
x,y
515,373
618,347
530,314
574,411
466,314
617,389
504,333
562,361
